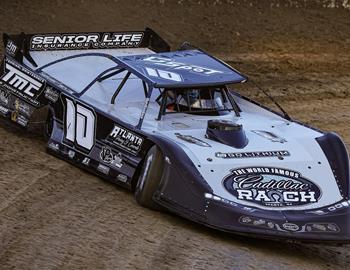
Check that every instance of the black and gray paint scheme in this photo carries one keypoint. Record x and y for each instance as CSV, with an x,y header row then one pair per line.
x,y
226,161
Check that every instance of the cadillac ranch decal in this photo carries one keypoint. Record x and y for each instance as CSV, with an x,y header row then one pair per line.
x,y
273,187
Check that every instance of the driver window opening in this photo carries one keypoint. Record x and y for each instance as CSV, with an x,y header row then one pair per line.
x,y
203,101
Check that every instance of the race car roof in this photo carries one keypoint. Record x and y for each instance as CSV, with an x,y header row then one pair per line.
x,y
180,69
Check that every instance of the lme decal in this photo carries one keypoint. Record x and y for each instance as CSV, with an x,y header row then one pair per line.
x,y
273,187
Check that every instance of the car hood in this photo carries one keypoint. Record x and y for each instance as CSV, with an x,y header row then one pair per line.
x,y
288,172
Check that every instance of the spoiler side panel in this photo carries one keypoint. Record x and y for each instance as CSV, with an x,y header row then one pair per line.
x,y
22,91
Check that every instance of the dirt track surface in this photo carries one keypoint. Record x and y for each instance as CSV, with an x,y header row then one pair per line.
x,y
55,216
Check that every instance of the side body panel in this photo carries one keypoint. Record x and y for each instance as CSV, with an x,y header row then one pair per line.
x,y
88,138
81,134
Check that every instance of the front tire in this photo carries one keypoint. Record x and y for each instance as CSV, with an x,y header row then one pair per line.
x,y
149,178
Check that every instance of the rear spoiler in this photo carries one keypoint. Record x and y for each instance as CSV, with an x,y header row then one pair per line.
x,y
19,46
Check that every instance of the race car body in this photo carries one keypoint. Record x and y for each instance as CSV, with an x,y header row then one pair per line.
x,y
165,125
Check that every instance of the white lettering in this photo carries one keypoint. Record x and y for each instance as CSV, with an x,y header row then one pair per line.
x,y
245,194
164,74
21,81
37,40
115,131
71,41
305,196
262,196
290,196
48,40
80,39
136,37
79,125
92,38
177,65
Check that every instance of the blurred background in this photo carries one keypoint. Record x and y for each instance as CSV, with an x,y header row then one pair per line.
x,y
55,216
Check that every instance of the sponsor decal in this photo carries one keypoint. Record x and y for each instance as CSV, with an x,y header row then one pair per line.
x,y
167,62
80,41
11,48
331,209
71,153
14,116
270,225
257,222
289,227
322,227
191,139
246,220
22,82
270,136
86,161
261,154
4,97
272,187
21,120
125,139
107,156
103,169
54,146
23,108
51,94
122,178
3,110
333,227
179,125
164,74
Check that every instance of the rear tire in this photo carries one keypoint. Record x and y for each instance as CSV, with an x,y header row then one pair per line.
x,y
149,178
48,128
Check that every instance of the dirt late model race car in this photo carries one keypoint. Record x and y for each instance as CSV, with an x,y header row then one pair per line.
x,y
165,125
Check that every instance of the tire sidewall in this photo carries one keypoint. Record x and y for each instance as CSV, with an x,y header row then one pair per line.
x,y
149,178
48,128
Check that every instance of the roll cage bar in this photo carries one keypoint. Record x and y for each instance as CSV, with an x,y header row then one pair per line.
x,y
147,86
